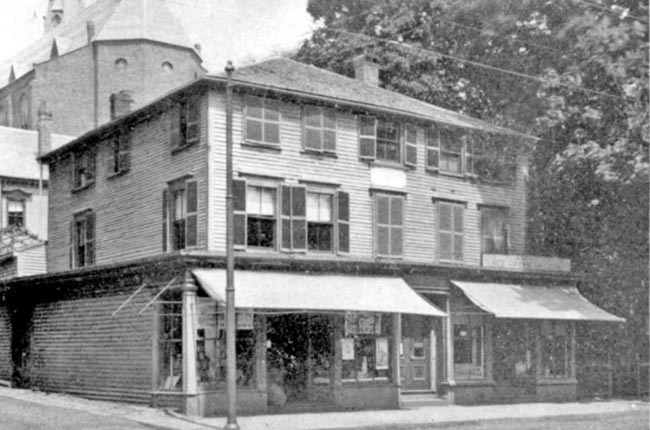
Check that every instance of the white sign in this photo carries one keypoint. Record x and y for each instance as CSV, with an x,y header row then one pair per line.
x,y
387,178
244,319
523,263
347,348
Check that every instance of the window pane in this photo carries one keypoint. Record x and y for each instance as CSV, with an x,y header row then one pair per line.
x,y
383,209
253,130
253,199
268,201
312,116
445,217
14,206
387,130
179,204
312,207
329,140
445,246
325,208
254,107
450,162
432,158
458,248
458,218
432,138
411,134
312,139
450,141
271,132
396,211
382,240
271,111
367,126
396,241
329,119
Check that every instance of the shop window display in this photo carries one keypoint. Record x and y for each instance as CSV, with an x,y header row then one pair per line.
x,y
555,350
366,347
469,341
171,344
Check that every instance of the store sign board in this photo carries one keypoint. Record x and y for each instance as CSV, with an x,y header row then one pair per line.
x,y
526,263
244,319
362,323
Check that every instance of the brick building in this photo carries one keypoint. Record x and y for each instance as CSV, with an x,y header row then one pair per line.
x,y
379,252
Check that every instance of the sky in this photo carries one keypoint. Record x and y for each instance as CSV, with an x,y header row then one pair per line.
x,y
239,30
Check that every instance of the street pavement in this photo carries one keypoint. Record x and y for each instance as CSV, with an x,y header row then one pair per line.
x,y
116,414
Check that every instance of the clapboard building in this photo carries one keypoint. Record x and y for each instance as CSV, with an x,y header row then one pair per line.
x,y
379,242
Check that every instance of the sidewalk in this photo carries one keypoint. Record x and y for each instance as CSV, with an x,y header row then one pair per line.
x,y
330,420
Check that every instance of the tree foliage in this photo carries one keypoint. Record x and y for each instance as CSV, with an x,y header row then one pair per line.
x,y
574,73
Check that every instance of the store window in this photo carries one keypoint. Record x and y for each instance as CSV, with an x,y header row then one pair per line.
x,y
82,239
171,343
389,225
555,349
262,121
494,230
184,123
366,347
180,218
451,231
15,213
320,129
469,348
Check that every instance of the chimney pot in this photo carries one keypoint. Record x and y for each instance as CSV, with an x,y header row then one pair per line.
x,y
366,70
44,129
197,47
120,103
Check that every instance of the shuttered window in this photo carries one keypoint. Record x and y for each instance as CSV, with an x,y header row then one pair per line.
x,y
83,169
319,129
262,121
450,231
494,230
320,221
82,240
388,144
15,213
451,151
261,217
184,126
180,218
343,221
389,234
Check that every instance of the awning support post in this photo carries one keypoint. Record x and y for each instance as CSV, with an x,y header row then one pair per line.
x,y
191,407
397,342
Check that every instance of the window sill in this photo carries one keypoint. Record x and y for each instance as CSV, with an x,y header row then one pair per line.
x,y
79,189
117,174
181,148
318,154
261,145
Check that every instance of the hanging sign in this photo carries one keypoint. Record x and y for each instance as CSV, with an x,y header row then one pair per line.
x,y
244,319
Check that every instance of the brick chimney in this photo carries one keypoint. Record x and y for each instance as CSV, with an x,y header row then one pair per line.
x,y
366,70
44,129
121,103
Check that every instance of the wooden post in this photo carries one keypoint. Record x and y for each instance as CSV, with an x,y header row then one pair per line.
x,y
260,352
190,387
397,340
449,342
336,376
155,350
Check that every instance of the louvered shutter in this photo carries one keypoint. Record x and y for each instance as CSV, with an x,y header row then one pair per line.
x,y
343,221
174,127
191,232
193,115
410,146
239,209
72,171
90,165
299,218
90,239
165,209
73,244
286,218
124,157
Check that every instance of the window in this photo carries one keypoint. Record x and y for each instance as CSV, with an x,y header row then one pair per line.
x,y
494,230
82,240
469,340
179,224
366,347
389,225
306,218
381,139
555,349
15,213
23,112
320,129
119,159
4,116
121,64
388,147
184,125
262,121
432,137
171,342
451,151
450,231
320,225
410,145
83,169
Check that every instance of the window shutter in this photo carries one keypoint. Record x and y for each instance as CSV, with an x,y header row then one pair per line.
x,y
124,157
286,218
90,165
239,209
367,138
191,233
90,239
299,218
193,113
432,138
73,244
343,221
174,127
72,172
165,209
410,146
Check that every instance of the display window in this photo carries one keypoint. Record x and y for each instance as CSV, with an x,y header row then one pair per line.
x,y
366,347
469,347
171,344
555,349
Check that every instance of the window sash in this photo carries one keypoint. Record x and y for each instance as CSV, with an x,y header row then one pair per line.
x,y
450,231
320,129
388,141
494,230
389,220
262,120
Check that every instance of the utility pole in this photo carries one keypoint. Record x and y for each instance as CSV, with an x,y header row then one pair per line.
x,y
231,358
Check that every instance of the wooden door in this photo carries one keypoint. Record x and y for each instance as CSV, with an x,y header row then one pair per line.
x,y
415,357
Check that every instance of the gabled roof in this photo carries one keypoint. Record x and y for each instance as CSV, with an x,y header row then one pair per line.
x,y
283,74
19,149
112,20
144,19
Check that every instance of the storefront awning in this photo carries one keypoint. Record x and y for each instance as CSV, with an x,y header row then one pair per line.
x,y
324,293
533,302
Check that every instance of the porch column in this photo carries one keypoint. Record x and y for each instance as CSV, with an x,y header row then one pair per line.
x,y
336,370
397,341
260,352
572,350
191,404
449,342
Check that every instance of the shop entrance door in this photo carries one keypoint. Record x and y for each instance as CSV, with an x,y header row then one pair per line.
x,y
416,353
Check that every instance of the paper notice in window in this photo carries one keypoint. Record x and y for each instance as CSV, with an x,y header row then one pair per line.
x,y
381,353
347,347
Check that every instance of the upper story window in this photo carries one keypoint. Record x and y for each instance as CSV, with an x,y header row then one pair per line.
x,y
23,112
184,123
494,230
385,140
120,156
83,169
445,150
389,234
303,221
82,240
262,120
320,129
15,213
451,231
179,226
